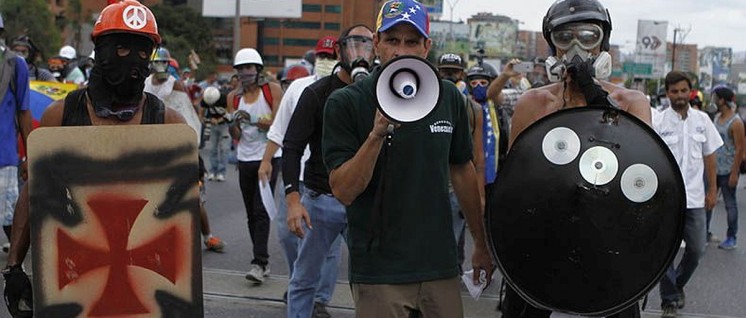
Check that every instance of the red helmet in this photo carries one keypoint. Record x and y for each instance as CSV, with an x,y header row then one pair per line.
x,y
126,16
295,72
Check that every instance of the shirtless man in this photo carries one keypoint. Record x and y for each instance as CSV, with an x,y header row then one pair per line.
x,y
578,33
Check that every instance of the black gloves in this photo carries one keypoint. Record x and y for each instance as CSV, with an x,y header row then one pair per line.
x,y
582,74
18,295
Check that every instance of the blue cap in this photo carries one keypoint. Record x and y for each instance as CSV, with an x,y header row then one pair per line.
x,y
409,11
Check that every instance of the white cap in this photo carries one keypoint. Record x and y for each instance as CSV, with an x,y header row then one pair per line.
x,y
68,52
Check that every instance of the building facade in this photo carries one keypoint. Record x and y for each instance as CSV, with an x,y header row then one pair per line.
x,y
531,45
686,57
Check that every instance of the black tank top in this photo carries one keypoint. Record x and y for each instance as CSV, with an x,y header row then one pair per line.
x,y
75,112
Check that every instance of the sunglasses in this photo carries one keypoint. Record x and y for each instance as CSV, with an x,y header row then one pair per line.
x,y
586,35
479,82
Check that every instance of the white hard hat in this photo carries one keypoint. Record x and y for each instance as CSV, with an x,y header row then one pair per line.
x,y
247,56
211,95
68,52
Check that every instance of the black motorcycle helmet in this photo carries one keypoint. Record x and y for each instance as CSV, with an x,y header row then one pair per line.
x,y
566,11
481,70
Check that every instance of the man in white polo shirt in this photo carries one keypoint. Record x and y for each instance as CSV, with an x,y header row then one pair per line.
x,y
693,140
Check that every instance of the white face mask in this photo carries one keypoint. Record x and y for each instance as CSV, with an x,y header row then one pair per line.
x,y
556,70
324,67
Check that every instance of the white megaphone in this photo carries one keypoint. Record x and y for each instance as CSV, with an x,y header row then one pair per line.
x,y
407,89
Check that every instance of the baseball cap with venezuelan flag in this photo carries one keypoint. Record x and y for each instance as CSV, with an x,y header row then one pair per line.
x,y
394,12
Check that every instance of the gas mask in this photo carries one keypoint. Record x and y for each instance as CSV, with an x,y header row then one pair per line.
x,y
357,56
160,69
578,40
324,67
118,76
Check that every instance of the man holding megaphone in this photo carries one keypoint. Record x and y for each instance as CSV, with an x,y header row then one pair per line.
x,y
393,174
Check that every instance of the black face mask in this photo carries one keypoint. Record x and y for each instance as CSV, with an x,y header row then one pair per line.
x,y
118,77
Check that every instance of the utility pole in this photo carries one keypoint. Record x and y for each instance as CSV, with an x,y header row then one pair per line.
x,y
451,4
237,28
673,49
681,34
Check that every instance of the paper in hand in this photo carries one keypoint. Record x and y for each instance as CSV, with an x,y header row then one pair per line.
x,y
268,199
475,290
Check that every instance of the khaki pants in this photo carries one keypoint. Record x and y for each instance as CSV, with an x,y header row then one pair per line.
x,y
432,299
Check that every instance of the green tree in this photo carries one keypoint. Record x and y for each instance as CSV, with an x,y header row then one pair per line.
x,y
32,18
184,29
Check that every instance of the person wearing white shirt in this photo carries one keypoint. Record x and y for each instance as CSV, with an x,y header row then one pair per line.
x,y
276,134
693,140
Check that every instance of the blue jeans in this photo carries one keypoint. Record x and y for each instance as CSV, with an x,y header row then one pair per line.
x,y
729,197
288,241
291,243
319,249
459,225
695,236
220,146
9,194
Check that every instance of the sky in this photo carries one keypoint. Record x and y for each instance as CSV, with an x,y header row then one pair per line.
x,y
719,23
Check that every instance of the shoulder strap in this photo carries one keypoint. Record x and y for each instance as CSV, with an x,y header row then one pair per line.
x,y
154,111
7,74
73,114
267,92
236,100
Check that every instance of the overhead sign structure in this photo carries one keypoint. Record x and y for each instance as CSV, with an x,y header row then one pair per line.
x,y
253,8
651,45
638,69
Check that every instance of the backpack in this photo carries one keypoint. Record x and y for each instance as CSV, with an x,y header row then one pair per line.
x,y
8,75
266,91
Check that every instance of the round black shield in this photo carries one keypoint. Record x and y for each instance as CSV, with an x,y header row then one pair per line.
x,y
587,212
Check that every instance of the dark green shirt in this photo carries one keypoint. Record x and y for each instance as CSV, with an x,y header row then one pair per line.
x,y
412,239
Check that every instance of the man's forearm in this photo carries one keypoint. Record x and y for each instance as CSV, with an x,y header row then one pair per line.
x,y
270,151
710,172
465,185
20,236
24,119
496,87
352,177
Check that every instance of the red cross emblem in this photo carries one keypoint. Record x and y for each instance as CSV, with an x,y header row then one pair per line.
x,y
117,215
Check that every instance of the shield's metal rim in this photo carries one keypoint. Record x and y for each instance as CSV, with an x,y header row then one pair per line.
x,y
678,234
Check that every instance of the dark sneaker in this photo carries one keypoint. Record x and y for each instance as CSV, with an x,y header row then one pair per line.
x,y
669,311
711,238
682,300
729,244
319,311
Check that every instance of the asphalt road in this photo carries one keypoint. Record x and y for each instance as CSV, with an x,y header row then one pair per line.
x,y
718,288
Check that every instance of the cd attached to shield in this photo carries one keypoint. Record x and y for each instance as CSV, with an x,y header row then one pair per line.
x,y
561,145
598,165
639,183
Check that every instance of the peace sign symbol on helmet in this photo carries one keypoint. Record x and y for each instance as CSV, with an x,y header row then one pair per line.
x,y
135,17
